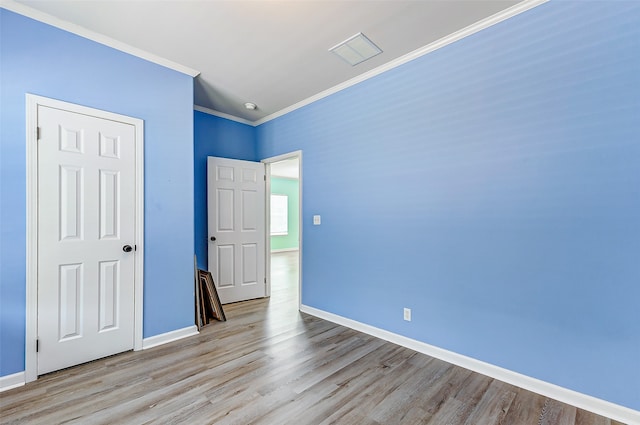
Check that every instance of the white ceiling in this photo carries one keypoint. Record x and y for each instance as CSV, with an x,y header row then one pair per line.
x,y
288,168
272,53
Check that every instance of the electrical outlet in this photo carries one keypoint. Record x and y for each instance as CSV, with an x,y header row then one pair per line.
x,y
407,314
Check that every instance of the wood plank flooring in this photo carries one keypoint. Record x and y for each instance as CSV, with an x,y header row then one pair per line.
x,y
270,364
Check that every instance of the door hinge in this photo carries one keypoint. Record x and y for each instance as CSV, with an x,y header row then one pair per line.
x,y
265,177
135,247
37,133
37,345
265,280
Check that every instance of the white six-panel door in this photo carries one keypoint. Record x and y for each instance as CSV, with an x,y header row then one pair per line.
x,y
86,220
236,221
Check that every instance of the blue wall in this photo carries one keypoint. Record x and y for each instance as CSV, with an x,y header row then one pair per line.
x,y
493,186
214,136
39,59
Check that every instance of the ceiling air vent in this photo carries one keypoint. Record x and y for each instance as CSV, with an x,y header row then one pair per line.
x,y
356,49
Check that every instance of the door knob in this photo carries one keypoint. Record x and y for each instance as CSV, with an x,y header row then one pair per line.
x,y
213,238
127,248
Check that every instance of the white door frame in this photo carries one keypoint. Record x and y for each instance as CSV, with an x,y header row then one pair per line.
x,y
32,102
268,162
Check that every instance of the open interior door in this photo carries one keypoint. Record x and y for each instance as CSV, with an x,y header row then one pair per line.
x,y
236,223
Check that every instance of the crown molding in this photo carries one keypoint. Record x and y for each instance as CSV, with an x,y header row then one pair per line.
x,y
223,115
438,44
32,13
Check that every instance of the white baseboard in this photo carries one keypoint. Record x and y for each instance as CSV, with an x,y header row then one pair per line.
x,y
15,380
275,251
574,398
154,341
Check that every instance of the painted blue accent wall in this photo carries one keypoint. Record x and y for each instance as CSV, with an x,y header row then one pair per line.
x,y
39,59
215,136
493,187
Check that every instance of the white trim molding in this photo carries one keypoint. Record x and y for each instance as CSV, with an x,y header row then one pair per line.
x,y
223,115
139,251
9,382
574,398
32,13
31,332
165,338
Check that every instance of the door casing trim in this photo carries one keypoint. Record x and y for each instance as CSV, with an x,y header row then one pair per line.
x,y
31,329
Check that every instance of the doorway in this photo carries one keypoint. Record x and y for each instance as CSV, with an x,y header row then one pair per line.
x,y
284,219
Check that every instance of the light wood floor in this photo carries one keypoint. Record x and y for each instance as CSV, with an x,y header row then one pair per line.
x,y
270,364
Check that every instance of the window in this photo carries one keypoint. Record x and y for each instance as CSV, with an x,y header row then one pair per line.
x,y
279,215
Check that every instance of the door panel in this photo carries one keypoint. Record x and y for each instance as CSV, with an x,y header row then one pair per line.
x,y
71,285
86,213
249,263
236,206
248,208
109,208
109,282
225,209
225,255
71,180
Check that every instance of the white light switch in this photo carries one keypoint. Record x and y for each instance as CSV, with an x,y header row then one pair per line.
x,y
316,220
